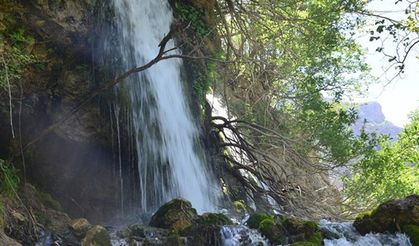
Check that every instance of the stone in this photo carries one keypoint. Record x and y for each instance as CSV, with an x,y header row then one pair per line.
x,y
205,230
177,214
271,230
97,236
286,230
390,216
79,227
254,220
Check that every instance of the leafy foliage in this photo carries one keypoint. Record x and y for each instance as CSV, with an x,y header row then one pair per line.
x,y
292,61
9,180
15,58
390,172
193,16
401,32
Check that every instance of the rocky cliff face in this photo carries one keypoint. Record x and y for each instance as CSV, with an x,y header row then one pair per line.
x,y
73,161
60,44
372,119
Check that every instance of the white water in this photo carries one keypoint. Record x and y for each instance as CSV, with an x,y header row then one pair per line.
x,y
165,134
336,233
241,235
344,234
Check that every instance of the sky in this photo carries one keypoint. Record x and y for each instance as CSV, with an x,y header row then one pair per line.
x,y
401,96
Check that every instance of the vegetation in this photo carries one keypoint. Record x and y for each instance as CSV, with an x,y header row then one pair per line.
x,y
389,172
413,232
283,70
14,58
9,180
290,64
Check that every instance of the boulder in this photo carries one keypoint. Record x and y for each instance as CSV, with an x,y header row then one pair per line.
x,y
96,236
390,216
177,214
79,227
286,230
205,230
272,231
254,220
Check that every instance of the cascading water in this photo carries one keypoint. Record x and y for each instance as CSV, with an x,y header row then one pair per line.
x,y
165,135
344,234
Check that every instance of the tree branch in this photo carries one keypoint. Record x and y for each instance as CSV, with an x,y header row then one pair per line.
x,y
107,85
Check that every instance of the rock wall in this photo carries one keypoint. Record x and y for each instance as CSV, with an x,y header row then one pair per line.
x,y
77,161
74,161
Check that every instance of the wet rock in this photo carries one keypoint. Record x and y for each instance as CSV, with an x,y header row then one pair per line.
x,y
273,231
151,236
177,214
205,230
254,220
390,216
57,221
79,227
298,230
286,230
97,236
135,232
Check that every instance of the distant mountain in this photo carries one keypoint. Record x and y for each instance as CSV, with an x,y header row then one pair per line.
x,y
372,116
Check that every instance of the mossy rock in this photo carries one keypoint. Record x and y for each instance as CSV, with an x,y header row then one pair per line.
x,y
97,236
295,226
272,231
205,230
79,227
389,216
254,220
173,239
215,219
412,231
177,214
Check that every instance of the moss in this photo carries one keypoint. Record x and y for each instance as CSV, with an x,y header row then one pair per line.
x,y
98,235
365,214
314,240
214,219
272,231
266,226
177,214
312,225
254,220
240,206
412,231
47,200
194,16
173,239
305,243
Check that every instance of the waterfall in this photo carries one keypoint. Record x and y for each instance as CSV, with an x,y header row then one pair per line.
x,y
164,131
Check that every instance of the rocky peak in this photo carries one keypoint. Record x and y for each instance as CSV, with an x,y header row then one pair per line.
x,y
372,119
